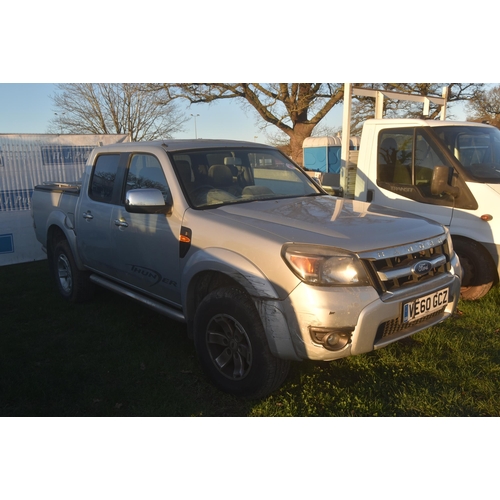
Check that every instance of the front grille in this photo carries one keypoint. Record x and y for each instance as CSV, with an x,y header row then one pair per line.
x,y
394,268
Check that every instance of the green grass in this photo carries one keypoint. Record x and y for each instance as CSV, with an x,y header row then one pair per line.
x,y
113,357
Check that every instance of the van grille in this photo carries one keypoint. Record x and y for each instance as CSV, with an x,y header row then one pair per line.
x,y
399,267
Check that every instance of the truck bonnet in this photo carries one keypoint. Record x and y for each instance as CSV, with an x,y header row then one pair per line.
x,y
353,225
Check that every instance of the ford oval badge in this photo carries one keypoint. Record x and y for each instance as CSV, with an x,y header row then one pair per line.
x,y
422,267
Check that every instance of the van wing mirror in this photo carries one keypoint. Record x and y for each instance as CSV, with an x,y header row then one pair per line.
x,y
440,184
147,201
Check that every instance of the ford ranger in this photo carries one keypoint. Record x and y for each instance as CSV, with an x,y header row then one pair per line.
x,y
235,240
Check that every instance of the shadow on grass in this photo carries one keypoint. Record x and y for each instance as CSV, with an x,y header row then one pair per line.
x,y
109,357
114,357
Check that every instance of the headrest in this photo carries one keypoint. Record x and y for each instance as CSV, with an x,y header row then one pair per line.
x,y
220,175
387,151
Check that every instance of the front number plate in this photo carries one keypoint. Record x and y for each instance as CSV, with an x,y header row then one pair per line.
x,y
424,306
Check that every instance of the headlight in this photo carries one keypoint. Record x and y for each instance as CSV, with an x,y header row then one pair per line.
x,y
318,265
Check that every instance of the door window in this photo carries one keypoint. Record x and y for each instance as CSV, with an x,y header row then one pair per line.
x,y
406,162
146,172
103,178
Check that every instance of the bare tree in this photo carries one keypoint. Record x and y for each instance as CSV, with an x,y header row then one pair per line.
x,y
485,107
294,108
115,108
297,109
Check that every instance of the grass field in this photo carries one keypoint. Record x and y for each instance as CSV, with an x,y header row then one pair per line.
x,y
113,357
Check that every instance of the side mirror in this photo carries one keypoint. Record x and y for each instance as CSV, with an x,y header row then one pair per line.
x,y
147,201
439,183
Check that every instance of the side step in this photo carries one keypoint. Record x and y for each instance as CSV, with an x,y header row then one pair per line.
x,y
170,312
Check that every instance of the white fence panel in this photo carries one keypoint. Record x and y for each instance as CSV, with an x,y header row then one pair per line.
x,y
25,161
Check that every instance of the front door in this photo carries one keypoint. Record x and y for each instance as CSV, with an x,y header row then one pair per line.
x,y
405,166
147,245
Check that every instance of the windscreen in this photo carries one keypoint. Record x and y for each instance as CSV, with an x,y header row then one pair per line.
x,y
215,177
476,148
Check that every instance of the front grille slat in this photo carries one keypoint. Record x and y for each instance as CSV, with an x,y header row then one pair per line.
x,y
405,270
392,272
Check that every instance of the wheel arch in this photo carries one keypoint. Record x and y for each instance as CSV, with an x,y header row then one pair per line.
x,y
57,229
479,270
465,240
213,268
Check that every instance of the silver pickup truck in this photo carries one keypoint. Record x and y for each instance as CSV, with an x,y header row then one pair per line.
x,y
236,241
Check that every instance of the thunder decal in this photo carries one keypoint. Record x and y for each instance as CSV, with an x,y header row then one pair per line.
x,y
154,277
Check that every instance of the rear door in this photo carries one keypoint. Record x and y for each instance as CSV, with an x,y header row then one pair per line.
x,y
97,246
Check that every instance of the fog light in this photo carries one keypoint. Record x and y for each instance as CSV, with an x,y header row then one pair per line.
x,y
333,340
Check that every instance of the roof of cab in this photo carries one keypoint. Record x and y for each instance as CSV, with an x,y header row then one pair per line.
x,y
392,122
185,144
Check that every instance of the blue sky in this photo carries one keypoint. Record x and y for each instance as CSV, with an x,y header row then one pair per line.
x,y
27,108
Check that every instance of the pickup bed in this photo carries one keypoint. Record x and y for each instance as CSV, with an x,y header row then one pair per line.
x,y
235,240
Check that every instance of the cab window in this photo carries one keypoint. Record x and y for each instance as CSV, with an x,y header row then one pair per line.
x,y
406,162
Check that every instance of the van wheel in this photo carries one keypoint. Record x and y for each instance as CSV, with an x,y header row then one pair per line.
x,y
478,270
74,285
232,345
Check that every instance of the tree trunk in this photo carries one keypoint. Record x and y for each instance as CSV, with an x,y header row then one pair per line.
x,y
297,136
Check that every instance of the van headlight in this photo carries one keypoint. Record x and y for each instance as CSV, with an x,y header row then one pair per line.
x,y
327,266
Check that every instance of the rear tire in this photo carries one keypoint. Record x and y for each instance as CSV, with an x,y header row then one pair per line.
x,y
478,269
74,285
232,345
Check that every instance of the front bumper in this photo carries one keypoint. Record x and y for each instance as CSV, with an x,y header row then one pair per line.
x,y
371,320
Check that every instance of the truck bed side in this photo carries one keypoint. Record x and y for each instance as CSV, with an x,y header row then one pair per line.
x,y
54,203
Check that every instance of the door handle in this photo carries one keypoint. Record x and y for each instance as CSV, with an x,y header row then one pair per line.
x,y
121,223
88,215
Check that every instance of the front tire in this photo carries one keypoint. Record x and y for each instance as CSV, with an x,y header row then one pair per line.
x,y
232,345
74,285
478,269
